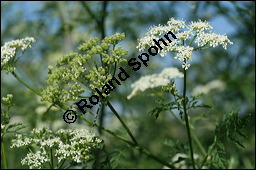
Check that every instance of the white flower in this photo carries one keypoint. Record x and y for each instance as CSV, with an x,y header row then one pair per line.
x,y
155,80
158,30
185,52
183,40
213,40
50,142
21,141
183,35
76,158
185,65
9,49
75,145
199,26
155,32
146,41
81,143
170,73
41,130
215,84
175,24
171,47
35,160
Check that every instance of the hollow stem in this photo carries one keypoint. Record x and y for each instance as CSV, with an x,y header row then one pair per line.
x,y
3,155
186,120
122,122
25,84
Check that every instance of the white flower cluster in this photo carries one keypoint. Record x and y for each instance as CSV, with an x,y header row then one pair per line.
x,y
9,49
74,145
215,84
213,40
81,142
199,26
22,141
35,160
155,80
185,54
195,31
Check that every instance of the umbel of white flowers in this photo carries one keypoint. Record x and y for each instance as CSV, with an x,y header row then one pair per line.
x,y
154,80
68,145
9,50
198,31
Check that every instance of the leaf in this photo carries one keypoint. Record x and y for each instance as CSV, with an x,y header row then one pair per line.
x,y
175,147
217,154
236,142
163,107
115,160
231,126
18,126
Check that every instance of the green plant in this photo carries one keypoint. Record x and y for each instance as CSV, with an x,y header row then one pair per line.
x,y
77,75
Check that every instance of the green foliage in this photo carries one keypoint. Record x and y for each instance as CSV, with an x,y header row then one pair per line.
x,y
117,158
6,127
231,126
217,156
60,27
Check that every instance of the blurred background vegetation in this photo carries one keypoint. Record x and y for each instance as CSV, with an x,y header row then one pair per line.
x,y
60,27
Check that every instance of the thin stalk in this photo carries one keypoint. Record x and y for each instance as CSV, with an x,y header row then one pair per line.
x,y
196,49
136,146
60,165
52,159
114,70
122,122
192,133
186,120
192,39
3,155
25,84
68,165
198,143
205,159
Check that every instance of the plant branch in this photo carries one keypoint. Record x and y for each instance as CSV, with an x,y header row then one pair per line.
x,y
122,122
187,121
3,155
192,39
25,84
136,146
192,134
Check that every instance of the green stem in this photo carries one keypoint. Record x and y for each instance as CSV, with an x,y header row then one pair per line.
x,y
114,70
192,39
136,146
186,120
60,165
52,159
205,159
3,155
122,122
68,165
106,130
192,133
201,48
198,143
25,84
